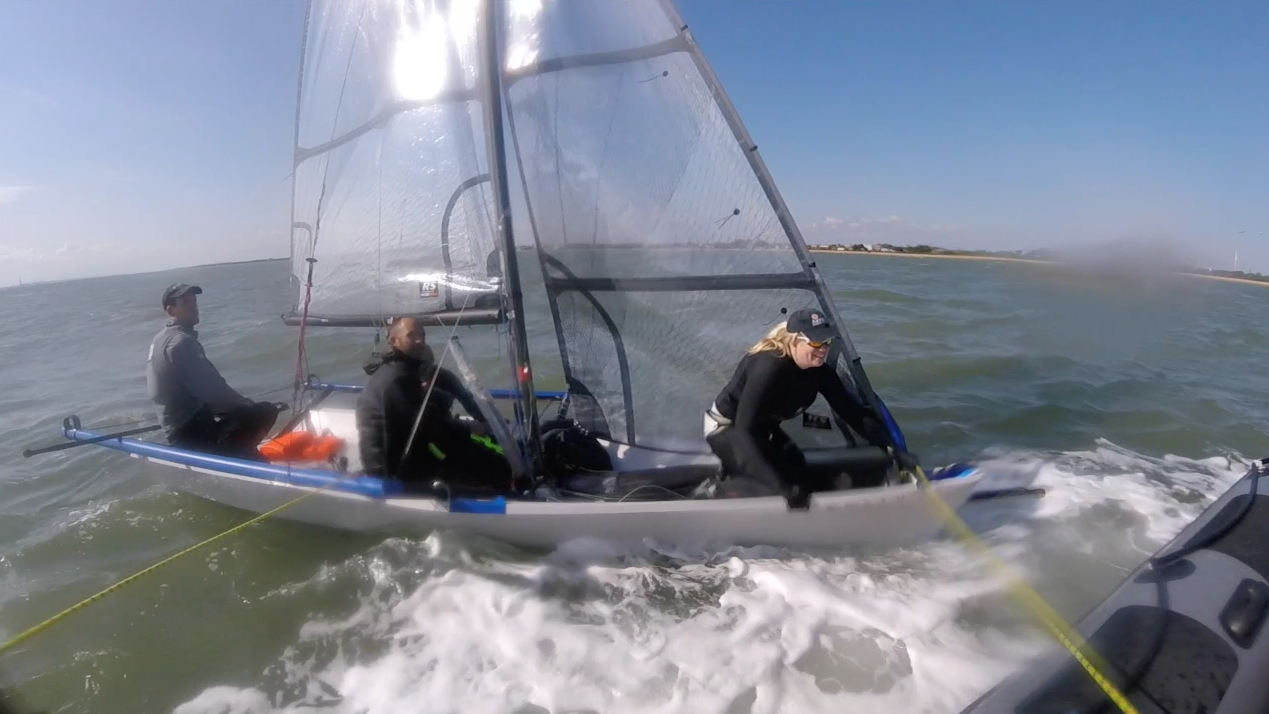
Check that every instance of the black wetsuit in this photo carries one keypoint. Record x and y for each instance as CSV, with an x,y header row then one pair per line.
x,y
443,447
765,390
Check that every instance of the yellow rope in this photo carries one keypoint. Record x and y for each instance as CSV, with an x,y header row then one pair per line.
x,y
93,598
1031,600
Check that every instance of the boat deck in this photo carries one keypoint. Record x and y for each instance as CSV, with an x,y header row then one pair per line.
x,y
342,422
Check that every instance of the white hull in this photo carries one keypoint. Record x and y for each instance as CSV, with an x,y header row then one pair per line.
x,y
888,515
884,515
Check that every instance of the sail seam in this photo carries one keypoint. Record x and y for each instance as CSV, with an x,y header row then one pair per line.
x,y
472,94
670,46
302,154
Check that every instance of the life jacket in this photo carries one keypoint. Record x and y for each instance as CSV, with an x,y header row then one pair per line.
x,y
302,446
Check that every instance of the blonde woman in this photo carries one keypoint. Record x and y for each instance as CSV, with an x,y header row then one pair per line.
x,y
776,380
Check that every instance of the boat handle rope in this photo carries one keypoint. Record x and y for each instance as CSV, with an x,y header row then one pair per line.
x,y
1063,631
19,639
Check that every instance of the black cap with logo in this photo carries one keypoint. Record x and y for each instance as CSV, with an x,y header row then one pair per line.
x,y
812,323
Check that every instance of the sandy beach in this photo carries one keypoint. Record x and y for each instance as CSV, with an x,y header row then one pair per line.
x,y
1003,259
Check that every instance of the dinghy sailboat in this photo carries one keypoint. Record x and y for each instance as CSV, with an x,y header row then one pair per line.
x,y
662,248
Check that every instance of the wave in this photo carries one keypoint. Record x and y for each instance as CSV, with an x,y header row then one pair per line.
x,y
436,627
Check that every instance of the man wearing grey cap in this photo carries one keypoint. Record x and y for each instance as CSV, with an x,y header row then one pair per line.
x,y
201,412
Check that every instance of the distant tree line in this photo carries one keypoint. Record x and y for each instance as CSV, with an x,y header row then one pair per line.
x,y
923,249
1045,255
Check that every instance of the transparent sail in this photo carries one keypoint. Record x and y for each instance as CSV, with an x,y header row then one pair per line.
x,y
391,192
663,254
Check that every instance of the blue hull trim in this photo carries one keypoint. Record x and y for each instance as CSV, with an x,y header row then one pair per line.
x,y
495,393
495,506
950,471
313,478
370,486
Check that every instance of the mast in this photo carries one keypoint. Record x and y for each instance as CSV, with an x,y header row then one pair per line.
x,y
491,52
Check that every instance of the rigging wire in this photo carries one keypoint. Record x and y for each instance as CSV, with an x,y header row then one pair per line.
x,y
418,418
301,358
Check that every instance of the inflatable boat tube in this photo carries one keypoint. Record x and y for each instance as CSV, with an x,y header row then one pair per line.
x,y
1185,632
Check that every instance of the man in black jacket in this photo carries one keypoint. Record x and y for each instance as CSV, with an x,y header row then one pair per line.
x,y
406,428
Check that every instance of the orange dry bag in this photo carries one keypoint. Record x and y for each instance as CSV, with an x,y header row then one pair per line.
x,y
302,446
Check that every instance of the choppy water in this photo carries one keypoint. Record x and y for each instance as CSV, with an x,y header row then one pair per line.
x,y
1138,398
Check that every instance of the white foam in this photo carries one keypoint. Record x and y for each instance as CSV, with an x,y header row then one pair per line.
x,y
1167,493
593,628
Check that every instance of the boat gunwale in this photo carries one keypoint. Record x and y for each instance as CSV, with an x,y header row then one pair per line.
x,y
389,492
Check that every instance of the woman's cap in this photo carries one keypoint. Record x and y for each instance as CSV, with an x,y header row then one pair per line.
x,y
812,323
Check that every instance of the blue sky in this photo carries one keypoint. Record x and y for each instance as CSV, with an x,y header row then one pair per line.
x,y
139,135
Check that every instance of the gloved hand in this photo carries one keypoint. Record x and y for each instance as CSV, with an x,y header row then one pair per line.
x,y
875,432
906,461
797,497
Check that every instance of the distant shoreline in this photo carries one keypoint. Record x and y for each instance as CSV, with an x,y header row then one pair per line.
x,y
940,256
1003,259
231,262
33,283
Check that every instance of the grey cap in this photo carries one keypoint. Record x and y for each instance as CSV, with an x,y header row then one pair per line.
x,y
178,290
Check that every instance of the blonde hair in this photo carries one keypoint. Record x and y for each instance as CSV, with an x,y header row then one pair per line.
x,y
778,340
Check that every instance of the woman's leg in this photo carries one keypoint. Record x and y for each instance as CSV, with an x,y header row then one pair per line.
x,y
737,480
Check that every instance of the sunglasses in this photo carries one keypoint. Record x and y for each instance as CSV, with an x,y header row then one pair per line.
x,y
816,345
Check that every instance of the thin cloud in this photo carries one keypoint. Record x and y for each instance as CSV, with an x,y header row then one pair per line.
x,y
12,253
32,96
10,194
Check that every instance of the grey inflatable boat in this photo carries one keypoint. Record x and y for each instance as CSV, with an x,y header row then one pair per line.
x,y
1184,633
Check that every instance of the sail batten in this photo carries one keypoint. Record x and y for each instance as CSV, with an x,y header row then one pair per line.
x,y
383,117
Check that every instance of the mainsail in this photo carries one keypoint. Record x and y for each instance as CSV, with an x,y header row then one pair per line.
x,y
665,247
391,191
397,207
